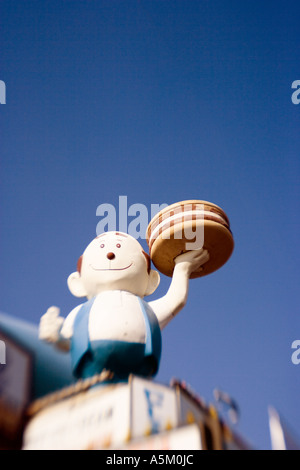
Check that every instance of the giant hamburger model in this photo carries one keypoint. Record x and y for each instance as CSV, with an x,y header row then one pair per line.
x,y
187,225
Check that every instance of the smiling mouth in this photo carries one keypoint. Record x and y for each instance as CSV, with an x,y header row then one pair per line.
x,y
110,269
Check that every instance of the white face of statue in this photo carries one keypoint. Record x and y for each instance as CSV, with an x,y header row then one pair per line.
x,y
113,261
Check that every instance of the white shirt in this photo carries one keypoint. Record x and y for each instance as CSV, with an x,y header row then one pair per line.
x,y
114,315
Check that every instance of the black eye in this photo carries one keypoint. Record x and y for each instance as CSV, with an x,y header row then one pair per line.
x,y
102,245
118,245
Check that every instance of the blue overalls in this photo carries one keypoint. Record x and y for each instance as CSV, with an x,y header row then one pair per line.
x,y
120,357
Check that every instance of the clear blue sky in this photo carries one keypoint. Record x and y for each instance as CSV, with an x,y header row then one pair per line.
x,y
161,101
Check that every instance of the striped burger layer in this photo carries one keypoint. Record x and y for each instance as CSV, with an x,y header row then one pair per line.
x,y
184,212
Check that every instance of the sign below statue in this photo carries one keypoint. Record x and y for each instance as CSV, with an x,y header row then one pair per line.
x,y
15,387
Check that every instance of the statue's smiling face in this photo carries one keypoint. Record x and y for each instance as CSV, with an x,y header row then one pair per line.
x,y
114,261
107,260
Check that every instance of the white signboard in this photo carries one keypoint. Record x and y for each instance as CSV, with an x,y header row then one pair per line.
x,y
154,408
184,438
75,423
105,415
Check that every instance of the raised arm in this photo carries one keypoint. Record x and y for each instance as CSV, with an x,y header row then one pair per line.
x,y
175,299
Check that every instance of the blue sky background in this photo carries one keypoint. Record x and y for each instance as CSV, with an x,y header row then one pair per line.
x,y
161,101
